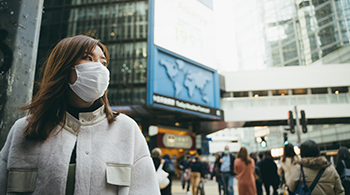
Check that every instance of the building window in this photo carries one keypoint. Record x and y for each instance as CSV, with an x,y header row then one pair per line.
x,y
260,93
319,91
337,90
241,94
280,92
300,91
227,94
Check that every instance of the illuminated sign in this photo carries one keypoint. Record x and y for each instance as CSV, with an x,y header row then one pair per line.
x,y
168,101
180,72
185,27
177,141
182,80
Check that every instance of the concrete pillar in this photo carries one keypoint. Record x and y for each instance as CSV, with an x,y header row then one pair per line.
x,y
19,36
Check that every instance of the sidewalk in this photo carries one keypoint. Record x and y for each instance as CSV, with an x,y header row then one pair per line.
x,y
210,187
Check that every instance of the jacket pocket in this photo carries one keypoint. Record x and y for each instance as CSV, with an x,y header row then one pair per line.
x,y
118,174
21,180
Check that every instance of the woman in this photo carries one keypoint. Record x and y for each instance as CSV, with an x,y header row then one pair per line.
x,y
244,168
269,175
156,154
196,174
343,161
71,142
329,182
287,162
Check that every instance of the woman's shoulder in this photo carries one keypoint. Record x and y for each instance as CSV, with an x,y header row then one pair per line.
x,y
125,120
19,125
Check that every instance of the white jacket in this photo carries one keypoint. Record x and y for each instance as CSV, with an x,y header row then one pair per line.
x,y
111,158
287,167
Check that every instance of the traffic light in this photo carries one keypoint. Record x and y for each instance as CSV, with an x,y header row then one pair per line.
x,y
263,143
285,138
303,121
291,122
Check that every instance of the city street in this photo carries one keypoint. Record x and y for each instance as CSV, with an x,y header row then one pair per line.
x,y
210,187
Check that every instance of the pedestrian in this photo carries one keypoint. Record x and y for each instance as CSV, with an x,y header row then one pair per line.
x,y
197,174
287,162
217,172
205,168
71,142
269,174
258,182
156,154
168,167
311,161
183,167
343,162
227,171
244,167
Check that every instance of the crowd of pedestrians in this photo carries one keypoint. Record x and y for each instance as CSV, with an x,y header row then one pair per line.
x,y
260,173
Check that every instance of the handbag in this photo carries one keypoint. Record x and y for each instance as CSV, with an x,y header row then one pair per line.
x,y
162,177
187,174
201,187
345,175
303,189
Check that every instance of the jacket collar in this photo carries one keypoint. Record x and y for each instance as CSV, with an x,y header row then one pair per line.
x,y
73,125
314,162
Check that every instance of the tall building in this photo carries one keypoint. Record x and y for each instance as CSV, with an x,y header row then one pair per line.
x,y
289,33
160,72
120,25
292,56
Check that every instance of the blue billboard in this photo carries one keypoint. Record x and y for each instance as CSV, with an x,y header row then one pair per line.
x,y
178,83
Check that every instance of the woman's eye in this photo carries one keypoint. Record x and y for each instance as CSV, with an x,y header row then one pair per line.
x,y
88,58
104,63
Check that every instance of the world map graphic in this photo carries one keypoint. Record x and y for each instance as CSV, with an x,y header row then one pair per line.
x,y
182,77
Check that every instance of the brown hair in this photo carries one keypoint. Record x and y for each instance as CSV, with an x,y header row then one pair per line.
x,y
48,107
243,154
288,152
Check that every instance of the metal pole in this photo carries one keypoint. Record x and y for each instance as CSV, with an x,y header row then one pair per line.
x,y
297,126
19,36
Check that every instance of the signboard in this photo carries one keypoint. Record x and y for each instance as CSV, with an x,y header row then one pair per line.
x,y
179,76
185,27
170,140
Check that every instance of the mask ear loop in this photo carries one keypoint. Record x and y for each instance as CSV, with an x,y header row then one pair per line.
x,y
73,68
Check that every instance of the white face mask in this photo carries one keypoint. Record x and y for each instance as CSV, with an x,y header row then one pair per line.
x,y
92,81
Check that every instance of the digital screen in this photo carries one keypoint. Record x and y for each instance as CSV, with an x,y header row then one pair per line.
x,y
185,27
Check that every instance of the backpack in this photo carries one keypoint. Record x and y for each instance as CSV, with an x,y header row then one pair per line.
x,y
303,189
169,167
345,175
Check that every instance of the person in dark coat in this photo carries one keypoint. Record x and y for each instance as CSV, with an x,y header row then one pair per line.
x,y
168,167
197,174
269,174
258,181
156,154
182,167
343,161
217,173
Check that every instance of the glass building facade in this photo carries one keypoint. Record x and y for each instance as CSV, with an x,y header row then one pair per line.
x,y
289,33
120,25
